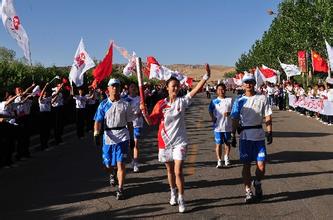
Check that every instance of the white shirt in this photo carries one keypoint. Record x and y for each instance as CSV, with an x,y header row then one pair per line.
x,y
170,116
330,95
135,105
80,101
22,108
250,111
45,104
59,101
218,107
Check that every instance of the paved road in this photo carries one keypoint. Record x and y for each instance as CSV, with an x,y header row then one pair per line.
x,y
68,182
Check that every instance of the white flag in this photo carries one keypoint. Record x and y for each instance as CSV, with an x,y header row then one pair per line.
x,y
330,54
259,78
13,25
82,63
290,69
130,67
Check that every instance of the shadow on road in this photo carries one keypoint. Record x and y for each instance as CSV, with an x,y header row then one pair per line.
x,y
299,134
298,156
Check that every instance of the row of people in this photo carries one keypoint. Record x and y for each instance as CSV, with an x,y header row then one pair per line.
x,y
113,130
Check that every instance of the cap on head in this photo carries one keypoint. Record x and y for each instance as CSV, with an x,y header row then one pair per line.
x,y
113,81
248,77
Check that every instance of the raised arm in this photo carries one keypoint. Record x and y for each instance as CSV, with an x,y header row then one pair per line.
x,y
12,99
42,92
28,89
202,82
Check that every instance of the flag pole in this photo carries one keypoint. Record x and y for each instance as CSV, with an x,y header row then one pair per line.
x,y
140,79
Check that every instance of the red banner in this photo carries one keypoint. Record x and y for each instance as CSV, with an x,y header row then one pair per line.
x,y
302,64
318,63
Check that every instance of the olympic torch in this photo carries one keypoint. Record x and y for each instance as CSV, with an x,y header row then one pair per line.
x,y
140,79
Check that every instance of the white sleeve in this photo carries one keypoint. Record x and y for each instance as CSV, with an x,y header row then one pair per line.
x,y
186,100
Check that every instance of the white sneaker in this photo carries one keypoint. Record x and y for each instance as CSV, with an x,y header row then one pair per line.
x,y
135,168
181,204
219,164
226,162
173,200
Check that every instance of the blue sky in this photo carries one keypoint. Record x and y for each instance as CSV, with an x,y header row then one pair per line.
x,y
174,31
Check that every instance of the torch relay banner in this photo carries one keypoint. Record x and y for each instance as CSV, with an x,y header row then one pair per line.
x,y
321,106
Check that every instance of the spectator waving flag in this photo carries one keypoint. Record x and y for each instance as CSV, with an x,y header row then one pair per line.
x,y
13,25
82,63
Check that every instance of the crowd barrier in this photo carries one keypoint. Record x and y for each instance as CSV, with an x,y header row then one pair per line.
x,y
321,106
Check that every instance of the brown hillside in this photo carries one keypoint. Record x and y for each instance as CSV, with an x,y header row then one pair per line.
x,y
197,71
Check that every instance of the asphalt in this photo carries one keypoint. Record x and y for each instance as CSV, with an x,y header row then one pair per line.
x,y
68,181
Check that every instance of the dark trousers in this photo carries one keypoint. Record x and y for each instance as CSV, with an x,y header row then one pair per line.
x,y
45,121
80,118
23,131
7,142
58,123
91,109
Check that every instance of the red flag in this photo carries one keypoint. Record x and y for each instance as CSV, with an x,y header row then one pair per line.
x,y
268,74
150,60
104,68
302,61
189,82
318,63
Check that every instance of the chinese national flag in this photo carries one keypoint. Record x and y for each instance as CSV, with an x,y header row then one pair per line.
x,y
318,63
302,61
104,68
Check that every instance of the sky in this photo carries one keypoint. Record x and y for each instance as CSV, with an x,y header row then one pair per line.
x,y
173,31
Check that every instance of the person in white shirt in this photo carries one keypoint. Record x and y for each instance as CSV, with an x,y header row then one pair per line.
x,y
91,107
45,118
81,111
172,139
134,100
23,106
57,107
329,82
247,113
219,111
8,131
116,115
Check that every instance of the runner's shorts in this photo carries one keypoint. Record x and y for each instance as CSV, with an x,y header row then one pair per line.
x,y
252,151
222,137
114,153
172,153
137,133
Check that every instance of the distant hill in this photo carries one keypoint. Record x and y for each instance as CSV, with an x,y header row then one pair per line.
x,y
196,71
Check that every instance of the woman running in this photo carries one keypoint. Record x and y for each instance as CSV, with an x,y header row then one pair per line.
x,y
172,139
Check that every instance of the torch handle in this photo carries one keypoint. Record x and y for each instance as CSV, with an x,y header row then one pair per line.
x,y
140,78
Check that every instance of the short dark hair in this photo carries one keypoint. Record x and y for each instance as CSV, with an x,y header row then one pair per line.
x,y
222,85
172,78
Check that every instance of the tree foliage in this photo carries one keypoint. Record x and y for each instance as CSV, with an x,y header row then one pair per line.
x,y
298,25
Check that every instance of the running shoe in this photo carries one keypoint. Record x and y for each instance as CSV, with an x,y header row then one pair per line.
x,y
173,200
226,161
120,194
181,204
258,190
135,167
249,197
219,164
